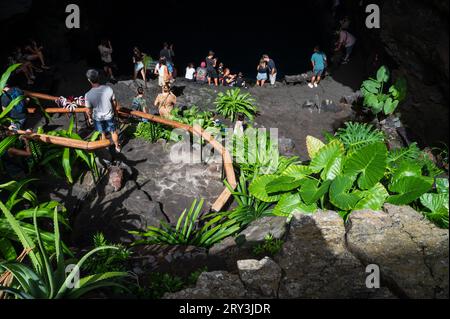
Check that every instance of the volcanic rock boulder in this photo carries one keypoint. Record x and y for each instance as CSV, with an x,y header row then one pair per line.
x,y
260,277
411,252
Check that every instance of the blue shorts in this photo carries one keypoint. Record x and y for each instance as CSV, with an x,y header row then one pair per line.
x,y
318,72
108,126
262,77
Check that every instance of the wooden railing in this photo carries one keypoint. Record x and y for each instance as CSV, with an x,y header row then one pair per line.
x,y
124,113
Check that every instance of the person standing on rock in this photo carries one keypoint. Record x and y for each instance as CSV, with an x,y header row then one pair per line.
x,y
102,105
272,69
138,60
319,63
211,63
165,102
106,51
162,71
263,70
347,41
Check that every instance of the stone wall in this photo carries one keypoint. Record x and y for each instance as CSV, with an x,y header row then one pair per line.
x,y
323,257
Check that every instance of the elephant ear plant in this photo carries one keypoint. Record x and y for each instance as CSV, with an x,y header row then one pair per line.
x,y
42,280
343,178
378,98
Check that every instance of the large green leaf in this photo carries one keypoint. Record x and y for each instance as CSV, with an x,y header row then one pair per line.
x,y
435,202
409,189
297,171
6,75
369,163
290,203
311,192
340,195
325,159
442,185
373,198
283,184
258,188
6,143
371,86
383,74
313,145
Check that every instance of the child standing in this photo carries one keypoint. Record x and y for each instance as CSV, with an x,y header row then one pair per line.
x,y
139,103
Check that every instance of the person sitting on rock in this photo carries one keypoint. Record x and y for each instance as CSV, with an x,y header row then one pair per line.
x,y
34,52
228,78
201,74
190,72
165,102
240,81
319,63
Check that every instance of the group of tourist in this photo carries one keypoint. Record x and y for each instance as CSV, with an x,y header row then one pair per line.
x,y
31,58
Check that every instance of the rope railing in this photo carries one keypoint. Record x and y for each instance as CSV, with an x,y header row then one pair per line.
x,y
125,113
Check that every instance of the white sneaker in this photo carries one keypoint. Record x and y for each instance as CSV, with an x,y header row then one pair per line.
x,y
315,85
311,85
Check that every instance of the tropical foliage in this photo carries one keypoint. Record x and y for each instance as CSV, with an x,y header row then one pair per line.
x,y
60,161
233,102
150,131
380,100
345,178
4,119
22,203
46,277
191,229
436,203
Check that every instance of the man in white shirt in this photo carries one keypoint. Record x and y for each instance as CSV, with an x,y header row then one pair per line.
x,y
101,103
347,40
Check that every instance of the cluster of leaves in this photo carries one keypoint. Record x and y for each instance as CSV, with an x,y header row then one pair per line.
x,y
193,115
270,247
107,260
377,98
22,203
4,119
60,161
46,277
234,103
150,131
436,203
162,283
192,229
347,179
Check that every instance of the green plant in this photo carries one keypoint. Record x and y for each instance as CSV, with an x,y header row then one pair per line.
x,y
271,246
191,229
249,208
19,203
149,131
107,260
377,98
4,119
53,157
345,181
357,135
44,281
436,204
233,103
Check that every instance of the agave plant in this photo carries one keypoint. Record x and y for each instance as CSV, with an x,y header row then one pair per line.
x,y
191,229
51,157
19,198
42,280
233,103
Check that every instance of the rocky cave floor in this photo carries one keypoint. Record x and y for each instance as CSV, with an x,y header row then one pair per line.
x,y
327,255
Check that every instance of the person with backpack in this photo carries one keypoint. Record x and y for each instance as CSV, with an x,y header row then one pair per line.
x,y
19,112
319,63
